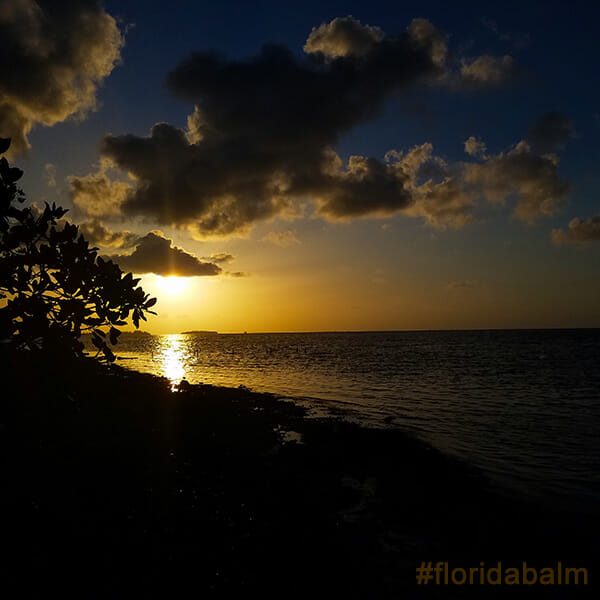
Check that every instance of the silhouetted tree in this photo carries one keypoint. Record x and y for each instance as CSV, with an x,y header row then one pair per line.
x,y
53,286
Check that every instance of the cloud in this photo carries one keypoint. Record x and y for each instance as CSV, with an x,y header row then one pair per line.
x,y
487,71
433,189
260,139
96,195
446,195
261,134
362,187
430,38
212,188
416,182
98,234
281,238
344,36
220,257
550,132
580,231
444,204
54,55
155,253
237,274
475,147
521,173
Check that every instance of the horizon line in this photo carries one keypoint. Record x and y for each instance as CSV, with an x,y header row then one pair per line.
x,y
416,330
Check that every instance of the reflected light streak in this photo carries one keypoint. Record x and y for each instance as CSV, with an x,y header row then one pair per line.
x,y
172,357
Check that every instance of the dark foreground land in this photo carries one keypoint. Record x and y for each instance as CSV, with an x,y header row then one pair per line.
x,y
114,486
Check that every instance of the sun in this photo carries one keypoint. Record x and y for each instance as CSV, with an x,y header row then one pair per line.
x,y
172,285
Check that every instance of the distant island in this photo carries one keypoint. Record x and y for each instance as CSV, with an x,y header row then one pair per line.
x,y
199,332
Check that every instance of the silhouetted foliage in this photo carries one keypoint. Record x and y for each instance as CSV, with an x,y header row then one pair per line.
x,y
53,286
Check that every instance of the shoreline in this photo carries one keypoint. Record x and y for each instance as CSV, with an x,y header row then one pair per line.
x,y
209,483
551,493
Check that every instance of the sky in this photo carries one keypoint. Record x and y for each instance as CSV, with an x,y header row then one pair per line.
x,y
318,166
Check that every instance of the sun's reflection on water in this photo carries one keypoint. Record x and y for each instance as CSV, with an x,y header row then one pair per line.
x,y
172,357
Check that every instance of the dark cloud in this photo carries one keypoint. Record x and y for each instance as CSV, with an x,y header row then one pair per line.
x,y
263,130
445,195
550,132
365,187
155,254
98,234
523,175
212,189
261,134
54,56
434,187
220,257
416,182
580,231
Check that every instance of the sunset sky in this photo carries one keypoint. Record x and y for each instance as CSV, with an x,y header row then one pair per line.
x,y
320,165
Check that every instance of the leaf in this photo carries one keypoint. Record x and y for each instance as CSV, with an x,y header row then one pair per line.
x,y
4,145
114,335
14,174
108,354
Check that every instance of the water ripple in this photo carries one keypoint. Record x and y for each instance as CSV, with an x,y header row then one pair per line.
x,y
523,405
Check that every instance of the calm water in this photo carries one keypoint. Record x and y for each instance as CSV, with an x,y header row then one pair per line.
x,y
523,405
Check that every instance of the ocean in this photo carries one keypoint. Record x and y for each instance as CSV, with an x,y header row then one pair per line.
x,y
523,406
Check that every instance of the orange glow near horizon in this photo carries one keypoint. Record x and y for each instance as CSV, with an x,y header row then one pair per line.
x,y
316,293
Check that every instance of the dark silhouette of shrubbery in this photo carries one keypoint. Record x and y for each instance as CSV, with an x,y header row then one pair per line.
x,y
53,286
